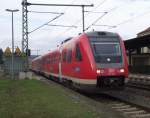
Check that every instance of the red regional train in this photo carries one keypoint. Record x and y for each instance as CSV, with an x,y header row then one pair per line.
x,y
92,60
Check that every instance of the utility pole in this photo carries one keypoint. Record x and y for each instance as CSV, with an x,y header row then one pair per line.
x,y
24,26
12,12
25,32
83,27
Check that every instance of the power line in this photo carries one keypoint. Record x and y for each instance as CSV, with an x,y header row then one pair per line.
x,y
101,3
71,5
111,26
95,12
108,12
68,6
96,20
45,12
130,19
45,23
62,25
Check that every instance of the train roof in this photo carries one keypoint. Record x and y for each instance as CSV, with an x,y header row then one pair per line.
x,y
66,40
39,57
93,34
101,33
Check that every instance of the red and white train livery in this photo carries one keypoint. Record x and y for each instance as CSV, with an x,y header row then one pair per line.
x,y
90,60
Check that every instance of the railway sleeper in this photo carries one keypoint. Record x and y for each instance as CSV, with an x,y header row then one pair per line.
x,y
120,107
135,112
129,109
117,104
139,79
141,116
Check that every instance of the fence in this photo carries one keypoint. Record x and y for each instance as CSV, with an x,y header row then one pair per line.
x,y
19,64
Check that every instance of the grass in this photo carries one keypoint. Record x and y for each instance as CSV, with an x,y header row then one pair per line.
x,y
35,99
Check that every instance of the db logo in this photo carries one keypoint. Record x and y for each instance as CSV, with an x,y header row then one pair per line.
x,y
77,69
111,71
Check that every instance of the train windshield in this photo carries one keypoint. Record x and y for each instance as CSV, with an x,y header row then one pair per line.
x,y
107,52
106,48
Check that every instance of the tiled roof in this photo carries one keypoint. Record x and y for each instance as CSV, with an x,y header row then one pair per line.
x,y
144,32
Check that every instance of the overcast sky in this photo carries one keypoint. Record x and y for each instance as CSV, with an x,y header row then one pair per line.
x,y
129,17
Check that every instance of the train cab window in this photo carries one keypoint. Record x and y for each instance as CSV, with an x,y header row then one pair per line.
x,y
78,55
69,56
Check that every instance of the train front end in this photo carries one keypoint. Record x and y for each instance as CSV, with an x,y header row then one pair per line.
x,y
110,58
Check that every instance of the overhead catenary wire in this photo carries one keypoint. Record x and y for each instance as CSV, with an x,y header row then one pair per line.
x,y
62,25
45,23
111,26
101,3
68,7
76,23
130,19
71,5
94,12
96,21
44,12
105,13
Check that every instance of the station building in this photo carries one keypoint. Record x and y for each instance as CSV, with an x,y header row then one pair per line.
x,y
138,52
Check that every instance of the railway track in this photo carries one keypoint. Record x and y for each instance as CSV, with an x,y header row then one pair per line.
x,y
140,80
138,86
135,98
130,111
127,110
131,102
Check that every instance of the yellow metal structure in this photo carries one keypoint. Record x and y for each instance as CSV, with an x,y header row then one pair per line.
x,y
7,52
17,52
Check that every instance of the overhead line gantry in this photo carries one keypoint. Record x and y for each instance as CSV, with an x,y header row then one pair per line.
x,y
25,4
25,11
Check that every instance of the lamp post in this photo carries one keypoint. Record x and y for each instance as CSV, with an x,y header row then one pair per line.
x,y
12,11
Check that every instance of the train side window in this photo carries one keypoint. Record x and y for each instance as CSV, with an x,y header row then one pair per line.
x,y
43,61
48,60
64,56
52,60
69,56
78,53
55,56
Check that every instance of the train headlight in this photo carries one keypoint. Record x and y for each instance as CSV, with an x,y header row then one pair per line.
x,y
98,71
122,70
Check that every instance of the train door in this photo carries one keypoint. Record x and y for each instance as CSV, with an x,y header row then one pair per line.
x,y
60,60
